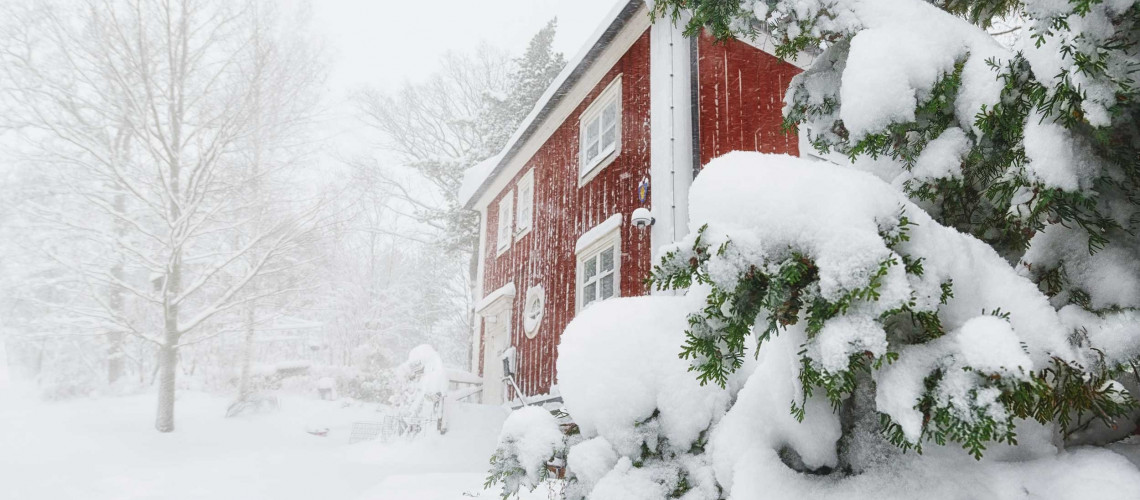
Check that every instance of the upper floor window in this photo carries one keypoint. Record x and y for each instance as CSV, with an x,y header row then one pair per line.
x,y
506,211
600,130
524,214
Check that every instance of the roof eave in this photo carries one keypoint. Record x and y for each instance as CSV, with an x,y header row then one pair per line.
x,y
552,98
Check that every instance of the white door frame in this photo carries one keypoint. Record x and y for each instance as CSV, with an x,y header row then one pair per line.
x,y
495,312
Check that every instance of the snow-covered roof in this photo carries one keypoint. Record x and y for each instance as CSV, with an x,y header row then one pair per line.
x,y
477,178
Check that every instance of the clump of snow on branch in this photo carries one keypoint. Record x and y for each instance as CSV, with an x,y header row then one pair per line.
x,y
618,365
591,460
627,390
759,421
900,49
530,438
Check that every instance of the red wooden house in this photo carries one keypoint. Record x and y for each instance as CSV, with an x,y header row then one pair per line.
x,y
627,125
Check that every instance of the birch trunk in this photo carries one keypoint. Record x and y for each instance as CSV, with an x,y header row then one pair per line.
x,y
167,373
245,386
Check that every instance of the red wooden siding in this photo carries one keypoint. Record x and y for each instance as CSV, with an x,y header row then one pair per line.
x,y
563,212
741,96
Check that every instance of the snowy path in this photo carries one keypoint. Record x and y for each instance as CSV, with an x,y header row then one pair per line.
x,y
106,449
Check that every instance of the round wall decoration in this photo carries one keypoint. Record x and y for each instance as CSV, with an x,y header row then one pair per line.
x,y
533,310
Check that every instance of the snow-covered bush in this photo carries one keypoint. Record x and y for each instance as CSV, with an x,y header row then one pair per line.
x,y
421,383
822,309
530,438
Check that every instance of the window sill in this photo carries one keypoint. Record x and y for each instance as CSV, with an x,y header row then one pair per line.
x,y
601,164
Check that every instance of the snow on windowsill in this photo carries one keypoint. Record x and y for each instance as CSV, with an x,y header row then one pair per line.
x,y
598,232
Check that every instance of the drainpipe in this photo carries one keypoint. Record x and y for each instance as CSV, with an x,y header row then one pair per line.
x,y
671,125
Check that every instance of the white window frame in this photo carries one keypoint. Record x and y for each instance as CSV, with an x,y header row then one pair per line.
x,y
588,167
610,240
504,225
524,211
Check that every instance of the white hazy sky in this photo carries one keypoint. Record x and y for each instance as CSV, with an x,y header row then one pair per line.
x,y
383,43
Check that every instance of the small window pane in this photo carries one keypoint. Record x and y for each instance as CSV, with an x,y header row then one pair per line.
x,y
607,283
526,202
609,125
608,259
609,138
609,116
504,219
591,269
589,293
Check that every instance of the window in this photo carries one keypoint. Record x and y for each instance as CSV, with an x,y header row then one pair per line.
x,y
524,214
503,241
599,268
600,131
599,275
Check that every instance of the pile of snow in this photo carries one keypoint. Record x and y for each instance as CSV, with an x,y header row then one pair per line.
x,y
531,436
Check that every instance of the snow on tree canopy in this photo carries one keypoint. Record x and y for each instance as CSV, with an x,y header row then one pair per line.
x,y
901,48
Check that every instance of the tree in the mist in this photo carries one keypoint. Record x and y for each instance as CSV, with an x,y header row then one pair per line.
x,y
283,69
530,75
1032,150
387,286
438,128
148,112
462,114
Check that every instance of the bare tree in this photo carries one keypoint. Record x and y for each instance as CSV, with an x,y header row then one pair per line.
x,y
148,110
440,127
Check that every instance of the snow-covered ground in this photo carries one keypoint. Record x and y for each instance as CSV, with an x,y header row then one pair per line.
x,y
96,449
